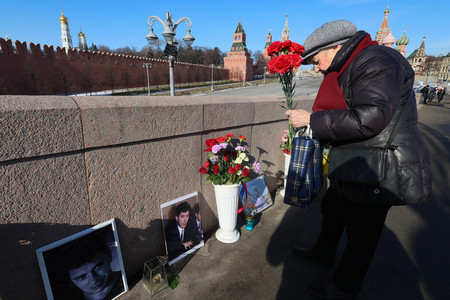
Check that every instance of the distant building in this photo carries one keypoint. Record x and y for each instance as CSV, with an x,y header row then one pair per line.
x,y
385,37
82,45
384,30
417,59
238,60
265,56
285,33
402,42
66,39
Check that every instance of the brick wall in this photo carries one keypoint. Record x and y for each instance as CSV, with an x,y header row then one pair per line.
x,y
35,71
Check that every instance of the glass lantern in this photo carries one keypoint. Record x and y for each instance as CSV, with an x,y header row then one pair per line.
x,y
155,278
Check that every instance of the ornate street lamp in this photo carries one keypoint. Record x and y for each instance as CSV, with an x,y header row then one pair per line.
x,y
169,32
147,65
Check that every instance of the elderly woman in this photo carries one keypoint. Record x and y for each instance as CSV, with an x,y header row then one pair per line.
x,y
366,86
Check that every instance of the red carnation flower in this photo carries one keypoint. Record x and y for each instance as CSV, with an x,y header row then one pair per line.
x,y
230,135
210,143
206,164
237,167
283,63
203,170
274,48
221,139
242,137
286,45
285,150
231,170
216,169
245,172
226,158
296,48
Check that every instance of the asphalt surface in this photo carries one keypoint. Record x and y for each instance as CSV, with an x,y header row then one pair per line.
x,y
412,260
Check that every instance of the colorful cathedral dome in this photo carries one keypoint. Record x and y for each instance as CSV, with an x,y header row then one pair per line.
x,y
389,39
403,40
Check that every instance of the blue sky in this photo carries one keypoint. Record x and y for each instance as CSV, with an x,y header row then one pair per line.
x,y
124,23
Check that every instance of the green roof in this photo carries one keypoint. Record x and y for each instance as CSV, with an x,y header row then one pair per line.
x,y
412,55
239,28
237,46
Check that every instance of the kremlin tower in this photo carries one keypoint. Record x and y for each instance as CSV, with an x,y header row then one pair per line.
x,y
265,56
285,33
65,34
238,60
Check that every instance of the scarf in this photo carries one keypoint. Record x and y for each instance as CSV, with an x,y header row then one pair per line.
x,y
330,95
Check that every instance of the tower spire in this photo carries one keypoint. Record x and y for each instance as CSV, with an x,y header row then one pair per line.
x,y
285,33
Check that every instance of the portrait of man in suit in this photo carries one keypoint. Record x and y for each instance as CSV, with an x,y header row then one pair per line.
x,y
181,232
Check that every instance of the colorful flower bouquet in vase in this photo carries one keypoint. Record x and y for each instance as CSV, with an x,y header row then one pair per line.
x,y
227,167
286,57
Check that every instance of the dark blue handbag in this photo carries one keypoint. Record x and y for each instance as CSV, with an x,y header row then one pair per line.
x,y
305,175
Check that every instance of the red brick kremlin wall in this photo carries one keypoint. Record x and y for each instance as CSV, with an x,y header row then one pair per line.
x,y
33,71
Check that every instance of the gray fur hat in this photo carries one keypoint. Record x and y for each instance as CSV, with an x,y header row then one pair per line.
x,y
328,35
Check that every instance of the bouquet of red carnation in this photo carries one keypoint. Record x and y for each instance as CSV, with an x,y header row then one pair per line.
x,y
286,56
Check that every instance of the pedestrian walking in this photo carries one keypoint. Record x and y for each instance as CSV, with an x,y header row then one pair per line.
x,y
440,94
363,94
431,93
424,92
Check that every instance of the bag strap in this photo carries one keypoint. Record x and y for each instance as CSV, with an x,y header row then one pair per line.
x,y
396,128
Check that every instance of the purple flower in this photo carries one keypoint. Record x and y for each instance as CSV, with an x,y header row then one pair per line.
x,y
223,145
257,167
216,148
240,148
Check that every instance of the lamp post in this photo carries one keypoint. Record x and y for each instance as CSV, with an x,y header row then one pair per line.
x,y
147,65
170,29
212,77
265,70
243,82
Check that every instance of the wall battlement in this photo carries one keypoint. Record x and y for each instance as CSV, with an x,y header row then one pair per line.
x,y
43,70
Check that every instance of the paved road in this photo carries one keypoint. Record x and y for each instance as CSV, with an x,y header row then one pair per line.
x,y
303,87
412,261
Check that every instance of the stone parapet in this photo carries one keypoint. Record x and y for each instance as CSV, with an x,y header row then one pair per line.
x,y
68,163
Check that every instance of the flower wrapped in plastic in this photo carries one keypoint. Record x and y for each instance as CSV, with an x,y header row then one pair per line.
x,y
286,57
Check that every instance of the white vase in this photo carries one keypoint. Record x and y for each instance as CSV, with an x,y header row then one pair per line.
x,y
227,199
287,159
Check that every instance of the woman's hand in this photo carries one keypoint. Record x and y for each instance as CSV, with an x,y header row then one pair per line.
x,y
298,118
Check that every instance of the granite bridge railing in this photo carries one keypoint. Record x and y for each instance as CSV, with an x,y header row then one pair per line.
x,y
68,163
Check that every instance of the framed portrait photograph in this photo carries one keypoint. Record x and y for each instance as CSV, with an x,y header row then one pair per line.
x,y
182,223
255,196
86,265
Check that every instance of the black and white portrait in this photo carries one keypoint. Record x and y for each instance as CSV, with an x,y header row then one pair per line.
x,y
87,265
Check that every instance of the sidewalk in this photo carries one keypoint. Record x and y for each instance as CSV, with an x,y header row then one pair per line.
x,y
412,260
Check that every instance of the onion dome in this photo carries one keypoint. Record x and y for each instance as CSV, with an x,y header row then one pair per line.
x,y
389,39
81,34
403,40
63,18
